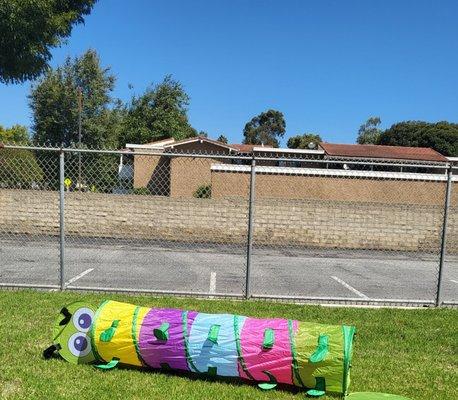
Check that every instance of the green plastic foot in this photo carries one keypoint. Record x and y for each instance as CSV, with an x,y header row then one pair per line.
x,y
108,333
269,339
162,333
165,367
321,351
268,385
113,363
213,334
315,393
319,389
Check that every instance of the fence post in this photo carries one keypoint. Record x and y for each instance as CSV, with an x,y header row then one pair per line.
x,y
448,193
62,219
250,228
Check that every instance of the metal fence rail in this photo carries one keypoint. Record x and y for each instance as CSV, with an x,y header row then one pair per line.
x,y
222,225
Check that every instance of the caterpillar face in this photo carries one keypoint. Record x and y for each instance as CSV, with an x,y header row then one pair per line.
x,y
71,333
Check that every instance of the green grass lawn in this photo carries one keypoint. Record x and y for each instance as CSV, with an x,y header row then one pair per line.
x,y
407,352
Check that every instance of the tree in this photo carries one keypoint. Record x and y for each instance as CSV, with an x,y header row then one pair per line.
x,y
159,113
305,141
18,168
17,134
441,136
369,132
29,29
54,103
222,139
266,128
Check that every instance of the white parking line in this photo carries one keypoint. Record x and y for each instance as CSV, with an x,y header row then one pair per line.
x,y
453,280
75,278
343,283
213,282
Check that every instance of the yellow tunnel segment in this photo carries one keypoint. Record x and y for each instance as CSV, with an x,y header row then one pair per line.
x,y
115,331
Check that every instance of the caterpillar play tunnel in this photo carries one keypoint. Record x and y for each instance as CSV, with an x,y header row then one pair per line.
x,y
267,351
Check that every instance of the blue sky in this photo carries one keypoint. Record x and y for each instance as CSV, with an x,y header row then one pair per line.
x,y
327,65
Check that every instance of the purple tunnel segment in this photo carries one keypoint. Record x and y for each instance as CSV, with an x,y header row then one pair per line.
x,y
156,353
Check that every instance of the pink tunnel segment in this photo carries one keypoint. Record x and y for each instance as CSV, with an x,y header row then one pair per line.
x,y
276,360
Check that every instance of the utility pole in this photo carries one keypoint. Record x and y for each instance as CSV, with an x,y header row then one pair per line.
x,y
79,185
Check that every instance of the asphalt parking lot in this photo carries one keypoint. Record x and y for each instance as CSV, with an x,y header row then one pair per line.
x,y
219,269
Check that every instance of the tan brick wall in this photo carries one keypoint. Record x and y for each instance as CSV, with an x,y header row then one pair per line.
x,y
230,184
176,176
124,216
350,225
452,237
189,173
309,223
29,212
145,167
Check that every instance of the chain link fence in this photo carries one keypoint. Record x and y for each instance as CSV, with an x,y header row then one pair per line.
x,y
450,271
29,217
214,224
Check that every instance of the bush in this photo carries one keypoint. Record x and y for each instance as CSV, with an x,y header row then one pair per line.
x,y
19,169
203,192
141,191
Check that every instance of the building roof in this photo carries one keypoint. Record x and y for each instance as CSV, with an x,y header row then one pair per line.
x,y
386,152
158,145
199,139
243,148
287,150
367,151
171,143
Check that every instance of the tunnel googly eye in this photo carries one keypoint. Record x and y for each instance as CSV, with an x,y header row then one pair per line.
x,y
79,344
82,319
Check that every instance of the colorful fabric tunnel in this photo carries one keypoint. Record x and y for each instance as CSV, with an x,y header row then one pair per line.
x,y
268,351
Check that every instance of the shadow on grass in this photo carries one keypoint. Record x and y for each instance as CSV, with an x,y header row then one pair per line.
x,y
235,381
